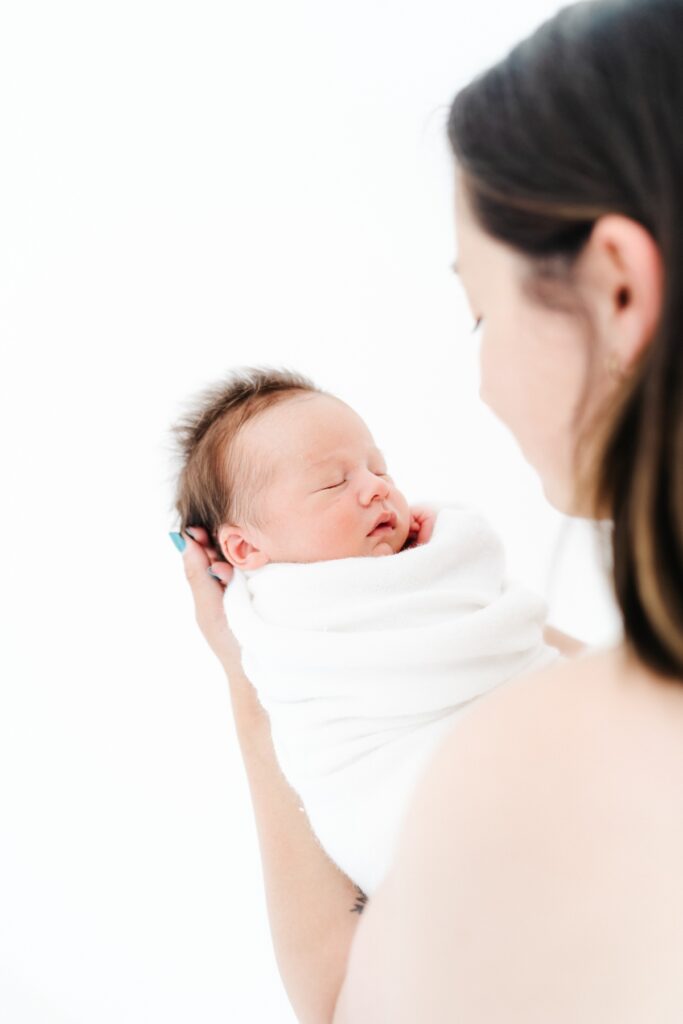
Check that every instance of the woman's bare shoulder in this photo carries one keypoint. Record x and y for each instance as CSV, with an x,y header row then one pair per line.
x,y
566,680
524,716
526,733
464,809
566,701
536,740
499,871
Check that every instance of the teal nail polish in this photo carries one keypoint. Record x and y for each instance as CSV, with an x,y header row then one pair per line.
x,y
178,541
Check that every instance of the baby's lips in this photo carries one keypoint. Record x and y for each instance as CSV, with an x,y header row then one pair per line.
x,y
388,519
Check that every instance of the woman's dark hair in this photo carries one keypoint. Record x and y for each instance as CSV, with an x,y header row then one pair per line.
x,y
582,119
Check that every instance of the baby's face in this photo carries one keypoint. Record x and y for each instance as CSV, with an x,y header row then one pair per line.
x,y
328,487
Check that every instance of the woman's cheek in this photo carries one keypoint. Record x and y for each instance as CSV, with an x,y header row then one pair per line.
x,y
501,368
487,373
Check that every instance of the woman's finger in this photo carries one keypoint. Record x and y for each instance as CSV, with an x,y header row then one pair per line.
x,y
202,537
207,594
221,571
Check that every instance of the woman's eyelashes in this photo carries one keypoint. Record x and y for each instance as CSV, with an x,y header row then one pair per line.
x,y
477,324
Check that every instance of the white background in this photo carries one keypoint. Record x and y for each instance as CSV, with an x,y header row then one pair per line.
x,y
185,188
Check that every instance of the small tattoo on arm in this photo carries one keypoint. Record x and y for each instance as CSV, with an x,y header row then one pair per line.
x,y
361,900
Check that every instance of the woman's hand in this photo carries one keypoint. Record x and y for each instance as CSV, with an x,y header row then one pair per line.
x,y
208,578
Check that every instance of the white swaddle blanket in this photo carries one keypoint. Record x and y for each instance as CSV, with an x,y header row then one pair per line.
x,y
363,665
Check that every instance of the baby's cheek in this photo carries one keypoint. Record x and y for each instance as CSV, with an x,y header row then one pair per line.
x,y
383,549
341,534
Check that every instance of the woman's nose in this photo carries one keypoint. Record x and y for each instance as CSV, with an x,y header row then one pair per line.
x,y
373,486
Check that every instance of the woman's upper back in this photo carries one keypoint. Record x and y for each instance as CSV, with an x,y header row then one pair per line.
x,y
539,875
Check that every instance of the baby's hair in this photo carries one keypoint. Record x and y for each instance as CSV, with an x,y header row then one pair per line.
x,y
216,483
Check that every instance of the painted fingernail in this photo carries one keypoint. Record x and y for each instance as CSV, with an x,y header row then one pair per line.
x,y
178,541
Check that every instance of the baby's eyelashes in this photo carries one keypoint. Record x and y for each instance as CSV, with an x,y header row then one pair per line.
x,y
331,487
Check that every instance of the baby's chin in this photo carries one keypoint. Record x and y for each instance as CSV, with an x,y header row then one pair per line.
x,y
383,548
394,542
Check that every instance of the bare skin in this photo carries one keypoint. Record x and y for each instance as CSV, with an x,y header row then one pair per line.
x,y
552,889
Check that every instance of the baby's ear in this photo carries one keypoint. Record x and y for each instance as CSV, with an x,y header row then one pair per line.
x,y
238,549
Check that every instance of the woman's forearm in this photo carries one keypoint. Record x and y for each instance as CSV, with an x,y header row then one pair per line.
x,y
313,906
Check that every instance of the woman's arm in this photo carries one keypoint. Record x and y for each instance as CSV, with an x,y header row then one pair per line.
x,y
313,907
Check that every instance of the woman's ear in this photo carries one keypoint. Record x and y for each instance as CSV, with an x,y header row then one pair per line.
x,y
239,550
627,269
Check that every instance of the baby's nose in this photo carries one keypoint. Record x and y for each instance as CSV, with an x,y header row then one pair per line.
x,y
373,486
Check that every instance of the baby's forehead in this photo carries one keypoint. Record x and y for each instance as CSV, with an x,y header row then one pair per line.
x,y
308,455
307,430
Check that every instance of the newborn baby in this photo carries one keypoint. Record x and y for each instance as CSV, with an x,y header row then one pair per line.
x,y
317,488
363,661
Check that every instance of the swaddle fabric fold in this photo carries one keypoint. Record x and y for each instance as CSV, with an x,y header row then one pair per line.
x,y
364,664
